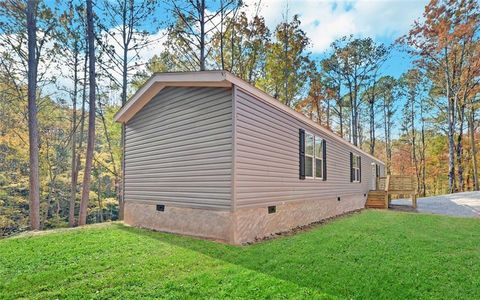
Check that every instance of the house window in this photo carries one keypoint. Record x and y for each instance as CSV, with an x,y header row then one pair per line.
x,y
318,157
314,156
356,165
309,154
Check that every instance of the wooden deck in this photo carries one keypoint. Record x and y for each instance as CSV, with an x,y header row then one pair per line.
x,y
400,185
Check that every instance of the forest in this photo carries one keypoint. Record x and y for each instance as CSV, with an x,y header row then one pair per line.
x,y
66,67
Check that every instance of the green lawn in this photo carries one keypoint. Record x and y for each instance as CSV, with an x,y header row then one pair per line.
x,y
374,254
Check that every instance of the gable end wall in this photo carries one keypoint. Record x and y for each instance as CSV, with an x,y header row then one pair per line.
x,y
178,149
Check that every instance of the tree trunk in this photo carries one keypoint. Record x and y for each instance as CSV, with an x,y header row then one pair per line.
x,y
451,129
122,138
388,152
99,195
112,158
352,125
355,112
74,173
202,35
451,149
414,146
319,112
232,46
372,126
359,132
121,182
424,165
340,109
52,176
328,114
82,219
82,120
471,129
126,38
286,62
34,193
222,36
459,148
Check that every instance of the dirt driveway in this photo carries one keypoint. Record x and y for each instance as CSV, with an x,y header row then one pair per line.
x,y
460,204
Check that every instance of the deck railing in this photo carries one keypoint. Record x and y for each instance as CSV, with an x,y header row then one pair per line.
x,y
381,183
398,185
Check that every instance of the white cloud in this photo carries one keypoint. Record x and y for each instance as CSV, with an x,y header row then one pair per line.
x,y
61,67
325,21
154,47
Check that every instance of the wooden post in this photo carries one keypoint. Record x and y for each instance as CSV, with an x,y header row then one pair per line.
x,y
387,184
415,193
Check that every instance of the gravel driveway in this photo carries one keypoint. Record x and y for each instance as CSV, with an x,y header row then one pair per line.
x,y
460,204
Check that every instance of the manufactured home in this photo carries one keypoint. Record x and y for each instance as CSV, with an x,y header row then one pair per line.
x,y
209,155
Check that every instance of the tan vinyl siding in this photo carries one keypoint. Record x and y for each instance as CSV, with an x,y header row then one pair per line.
x,y
178,149
267,158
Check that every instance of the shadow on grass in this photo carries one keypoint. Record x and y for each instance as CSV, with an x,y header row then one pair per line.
x,y
342,258
266,258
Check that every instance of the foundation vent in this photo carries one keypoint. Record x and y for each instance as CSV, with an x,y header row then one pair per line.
x,y
272,209
160,207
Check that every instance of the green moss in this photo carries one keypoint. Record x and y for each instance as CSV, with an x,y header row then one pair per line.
x,y
375,254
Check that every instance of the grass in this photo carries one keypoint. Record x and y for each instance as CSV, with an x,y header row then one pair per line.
x,y
374,254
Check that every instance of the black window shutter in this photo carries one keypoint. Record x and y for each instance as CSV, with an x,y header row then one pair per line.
x,y
360,168
302,153
324,158
351,167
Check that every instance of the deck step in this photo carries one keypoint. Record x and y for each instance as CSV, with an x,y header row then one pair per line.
x,y
376,199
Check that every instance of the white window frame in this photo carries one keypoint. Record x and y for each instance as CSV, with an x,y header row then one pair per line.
x,y
313,156
356,169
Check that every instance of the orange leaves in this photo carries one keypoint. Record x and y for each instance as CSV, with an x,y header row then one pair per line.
x,y
446,23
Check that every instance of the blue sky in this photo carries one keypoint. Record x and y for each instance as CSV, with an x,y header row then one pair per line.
x,y
324,21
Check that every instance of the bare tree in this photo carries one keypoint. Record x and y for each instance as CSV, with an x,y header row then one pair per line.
x,y
32,115
82,219
387,88
411,85
190,36
378,58
31,62
359,59
227,22
72,28
122,28
423,149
